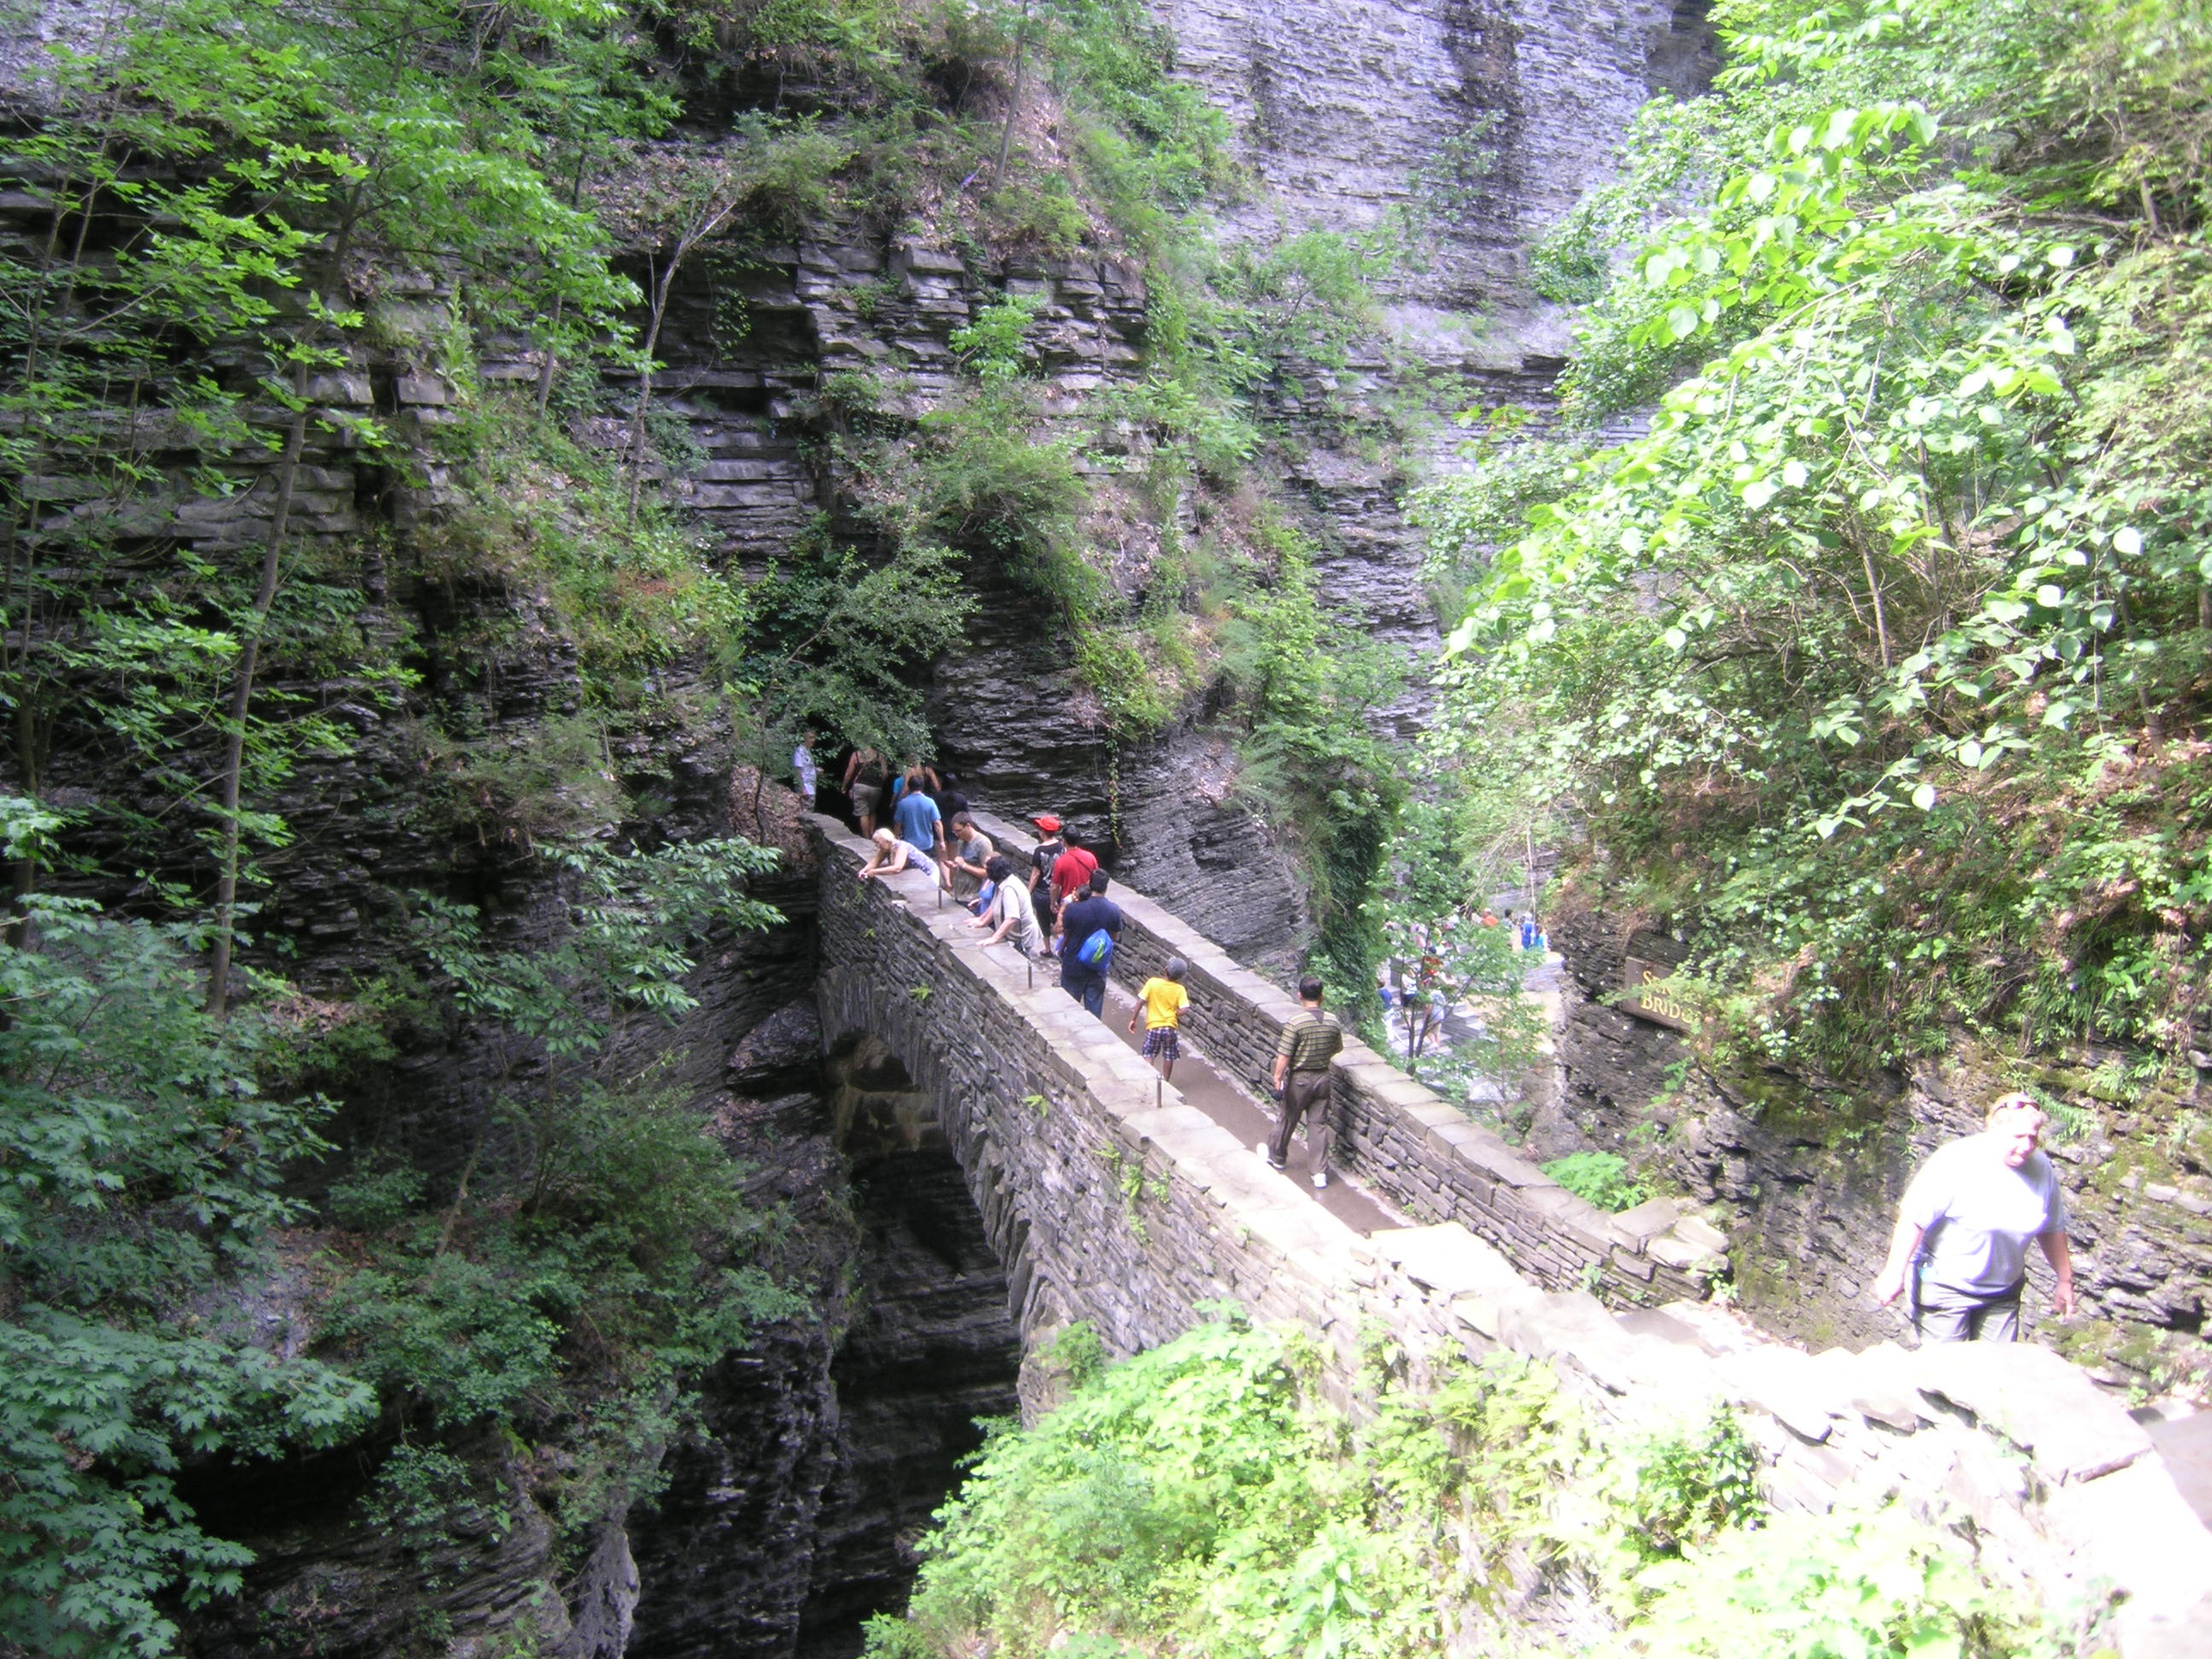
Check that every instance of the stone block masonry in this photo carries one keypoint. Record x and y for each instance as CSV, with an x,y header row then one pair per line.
x,y
1109,1199
1402,1139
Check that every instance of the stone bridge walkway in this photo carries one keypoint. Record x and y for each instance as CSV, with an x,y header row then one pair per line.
x,y
1113,1199
1235,1109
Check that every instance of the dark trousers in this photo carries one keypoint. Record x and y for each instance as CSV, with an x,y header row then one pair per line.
x,y
1305,1095
1090,991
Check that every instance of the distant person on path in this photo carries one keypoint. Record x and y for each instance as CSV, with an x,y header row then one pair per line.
x,y
1311,1039
803,767
919,826
864,781
969,867
1043,857
1162,1002
1092,914
1010,914
892,855
1964,1226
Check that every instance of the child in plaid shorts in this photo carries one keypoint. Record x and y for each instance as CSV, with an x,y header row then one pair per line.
x,y
1162,1002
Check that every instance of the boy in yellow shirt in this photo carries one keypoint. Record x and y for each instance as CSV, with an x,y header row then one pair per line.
x,y
1162,1002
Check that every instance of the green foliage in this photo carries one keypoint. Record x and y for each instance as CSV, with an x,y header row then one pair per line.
x,y
211,170
833,642
1200,1498
610,1256
597,1248
1807,1587
1870,661
94,1421
1691,1486
140,1163
1306,685
634,915
1598,1178
543,515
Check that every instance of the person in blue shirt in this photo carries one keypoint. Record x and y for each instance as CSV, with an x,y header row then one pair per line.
x,y
919,825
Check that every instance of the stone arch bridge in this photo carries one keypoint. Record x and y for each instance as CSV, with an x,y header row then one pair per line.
x,y
1110,1198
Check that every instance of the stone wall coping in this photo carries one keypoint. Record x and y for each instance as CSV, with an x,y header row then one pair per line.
x,y
1584,1231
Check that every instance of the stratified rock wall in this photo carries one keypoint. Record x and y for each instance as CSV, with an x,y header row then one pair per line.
x,y
1487,118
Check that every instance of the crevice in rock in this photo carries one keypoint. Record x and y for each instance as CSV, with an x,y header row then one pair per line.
x,y
791,1516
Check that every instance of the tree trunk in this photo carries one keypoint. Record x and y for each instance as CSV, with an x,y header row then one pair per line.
x,y
1014,104
241,698
635,446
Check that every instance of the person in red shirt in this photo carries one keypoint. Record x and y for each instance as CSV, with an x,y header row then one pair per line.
x,y
1070,873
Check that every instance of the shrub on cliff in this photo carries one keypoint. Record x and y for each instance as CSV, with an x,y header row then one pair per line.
x,y
1200,1499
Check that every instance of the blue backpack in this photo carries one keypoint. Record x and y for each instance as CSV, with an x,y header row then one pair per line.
x,y
1097,950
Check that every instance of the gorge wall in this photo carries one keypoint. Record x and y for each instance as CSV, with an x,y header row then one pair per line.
x,y
1478,123
821,1448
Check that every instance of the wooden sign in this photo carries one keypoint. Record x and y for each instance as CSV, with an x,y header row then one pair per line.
x,y
1649,963
1647,992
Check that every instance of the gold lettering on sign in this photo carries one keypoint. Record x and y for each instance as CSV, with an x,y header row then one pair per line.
x,y
1647,994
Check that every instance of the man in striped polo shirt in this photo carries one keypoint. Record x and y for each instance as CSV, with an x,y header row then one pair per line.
x,y
1311,1038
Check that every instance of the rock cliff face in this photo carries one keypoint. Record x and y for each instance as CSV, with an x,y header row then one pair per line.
x,y
1013,721
787,1514
1485,118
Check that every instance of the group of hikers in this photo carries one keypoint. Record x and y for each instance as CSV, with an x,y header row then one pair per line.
x,y
1958,1255
1054,906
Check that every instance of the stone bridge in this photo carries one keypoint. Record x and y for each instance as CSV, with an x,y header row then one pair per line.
x,y
1111,1199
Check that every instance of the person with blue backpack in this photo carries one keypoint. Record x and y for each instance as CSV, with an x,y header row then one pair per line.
x,y
1090,927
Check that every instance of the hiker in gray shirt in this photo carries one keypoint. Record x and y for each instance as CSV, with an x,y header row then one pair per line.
x,y
1964,1226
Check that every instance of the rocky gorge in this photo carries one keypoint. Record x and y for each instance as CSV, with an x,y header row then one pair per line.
x,y
767,1499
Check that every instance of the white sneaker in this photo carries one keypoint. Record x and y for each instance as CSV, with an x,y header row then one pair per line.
x,y
1261,1147
1321,1180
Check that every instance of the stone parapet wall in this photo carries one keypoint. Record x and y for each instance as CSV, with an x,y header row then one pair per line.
x,y
1110,1199
1106,1197
1408,1145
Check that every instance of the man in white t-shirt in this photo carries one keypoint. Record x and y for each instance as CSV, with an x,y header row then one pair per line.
x,y
1964,1226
